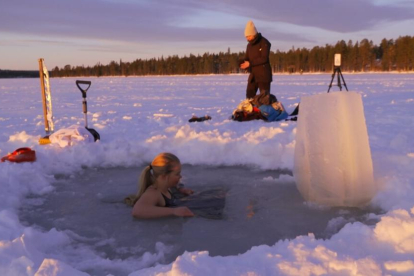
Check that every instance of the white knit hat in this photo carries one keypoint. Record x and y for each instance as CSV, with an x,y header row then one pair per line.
x,y
250,29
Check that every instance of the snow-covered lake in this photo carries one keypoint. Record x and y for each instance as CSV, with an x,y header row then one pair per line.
x,y
63,214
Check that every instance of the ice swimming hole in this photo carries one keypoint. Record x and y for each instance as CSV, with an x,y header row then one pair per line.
x,y
261,207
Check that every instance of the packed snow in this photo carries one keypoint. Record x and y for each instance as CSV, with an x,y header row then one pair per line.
x,y
139,117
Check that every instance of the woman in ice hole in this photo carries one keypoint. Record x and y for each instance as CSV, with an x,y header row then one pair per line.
x,y
154,198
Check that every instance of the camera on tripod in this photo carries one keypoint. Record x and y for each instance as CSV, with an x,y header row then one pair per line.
x,y
337,60
337,71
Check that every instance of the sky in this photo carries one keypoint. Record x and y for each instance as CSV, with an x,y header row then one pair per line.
x,y
90,31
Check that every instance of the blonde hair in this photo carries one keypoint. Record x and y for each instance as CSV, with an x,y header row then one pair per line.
x,y
163,163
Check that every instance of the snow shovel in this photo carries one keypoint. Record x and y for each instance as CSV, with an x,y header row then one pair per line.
x,y
95,134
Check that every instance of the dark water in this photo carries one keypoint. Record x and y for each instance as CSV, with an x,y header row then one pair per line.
x,y
255,212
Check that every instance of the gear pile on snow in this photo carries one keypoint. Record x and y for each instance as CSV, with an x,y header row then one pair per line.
x,y
262,106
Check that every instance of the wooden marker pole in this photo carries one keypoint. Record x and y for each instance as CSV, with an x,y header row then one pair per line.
x,y
42,86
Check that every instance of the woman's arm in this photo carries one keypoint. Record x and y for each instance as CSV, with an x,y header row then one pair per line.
x,y
148,207
245,65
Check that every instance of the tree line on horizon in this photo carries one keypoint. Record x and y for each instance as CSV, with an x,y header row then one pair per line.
x,y
8,74
363,56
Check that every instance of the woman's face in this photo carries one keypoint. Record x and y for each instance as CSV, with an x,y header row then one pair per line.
x,y
250,37
174,176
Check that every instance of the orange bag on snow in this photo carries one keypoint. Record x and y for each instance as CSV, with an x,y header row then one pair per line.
x,y
20,155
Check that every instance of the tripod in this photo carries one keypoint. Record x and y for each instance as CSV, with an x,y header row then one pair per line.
x,y
337,71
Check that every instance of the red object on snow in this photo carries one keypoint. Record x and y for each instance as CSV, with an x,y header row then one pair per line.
x,y
20,155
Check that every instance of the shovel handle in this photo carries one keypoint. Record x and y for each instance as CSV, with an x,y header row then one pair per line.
x,y
88,83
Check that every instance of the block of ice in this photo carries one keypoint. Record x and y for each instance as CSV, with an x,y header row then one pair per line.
x,y
332,162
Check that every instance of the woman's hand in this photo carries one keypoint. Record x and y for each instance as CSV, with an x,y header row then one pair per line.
x,y
186,191
182,212
245,65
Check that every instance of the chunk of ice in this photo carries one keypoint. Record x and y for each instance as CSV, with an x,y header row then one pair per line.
x,y
332,163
